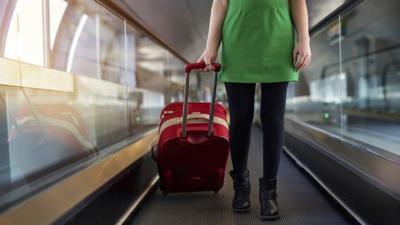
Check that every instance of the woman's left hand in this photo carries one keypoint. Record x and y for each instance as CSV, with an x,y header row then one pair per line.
x,y
302,55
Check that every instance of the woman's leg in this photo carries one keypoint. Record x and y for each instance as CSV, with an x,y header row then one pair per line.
x,y
241,110
273,100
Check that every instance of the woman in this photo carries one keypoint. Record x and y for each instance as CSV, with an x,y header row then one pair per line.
x,y
259,45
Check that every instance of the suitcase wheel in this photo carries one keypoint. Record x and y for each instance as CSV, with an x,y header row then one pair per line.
x,y
166,181
219,178
154,152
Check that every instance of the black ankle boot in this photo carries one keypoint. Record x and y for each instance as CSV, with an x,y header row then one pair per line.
x,y
268,204
241,185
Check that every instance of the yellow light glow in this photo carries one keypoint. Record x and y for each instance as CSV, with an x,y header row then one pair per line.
x,y
49,79
9,72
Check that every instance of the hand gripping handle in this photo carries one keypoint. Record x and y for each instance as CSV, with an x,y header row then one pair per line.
x,y
201,65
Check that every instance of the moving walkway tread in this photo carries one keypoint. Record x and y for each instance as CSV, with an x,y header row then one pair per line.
x,y
300,200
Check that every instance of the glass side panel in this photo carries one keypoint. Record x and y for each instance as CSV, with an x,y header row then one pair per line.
x,y
316,99
371,62
352,87
105,83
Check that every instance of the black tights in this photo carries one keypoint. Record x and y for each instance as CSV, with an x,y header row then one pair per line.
x,y
241,109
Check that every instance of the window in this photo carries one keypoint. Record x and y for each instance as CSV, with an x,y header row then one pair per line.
x,y
24,40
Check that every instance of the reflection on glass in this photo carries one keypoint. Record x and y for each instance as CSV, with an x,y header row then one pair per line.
x,y
316,98
356,97
56,13
371,61
77,35
105,82
43,133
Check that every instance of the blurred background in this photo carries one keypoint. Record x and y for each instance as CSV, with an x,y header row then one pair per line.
x,y
77,79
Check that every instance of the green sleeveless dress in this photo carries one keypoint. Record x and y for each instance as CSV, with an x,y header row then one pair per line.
x,y
257,42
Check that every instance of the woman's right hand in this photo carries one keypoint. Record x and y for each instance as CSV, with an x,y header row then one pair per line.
x,y
208,56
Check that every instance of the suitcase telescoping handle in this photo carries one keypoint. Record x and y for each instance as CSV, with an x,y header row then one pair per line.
x,y
188,69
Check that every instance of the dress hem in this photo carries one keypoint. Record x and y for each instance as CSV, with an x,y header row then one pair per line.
x,y
258,79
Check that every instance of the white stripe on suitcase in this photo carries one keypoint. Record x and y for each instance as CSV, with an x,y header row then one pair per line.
x,y
193,118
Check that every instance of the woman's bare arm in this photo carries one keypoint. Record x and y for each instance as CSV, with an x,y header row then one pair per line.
x,y
302,52
218,11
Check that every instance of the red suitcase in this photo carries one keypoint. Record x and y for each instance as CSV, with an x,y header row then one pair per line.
x,y
193,149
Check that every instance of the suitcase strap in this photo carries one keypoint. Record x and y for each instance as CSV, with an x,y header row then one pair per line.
x,y
193,118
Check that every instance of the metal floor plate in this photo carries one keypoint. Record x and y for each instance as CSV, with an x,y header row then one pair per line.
x,y
300,201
